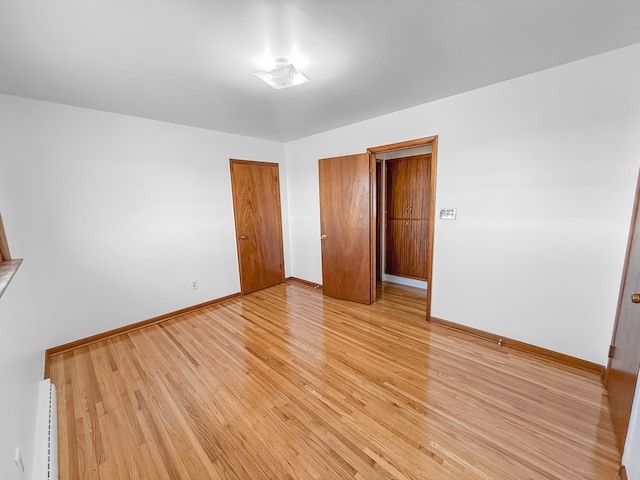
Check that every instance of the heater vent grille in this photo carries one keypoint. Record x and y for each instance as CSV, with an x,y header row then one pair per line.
x,y
46,452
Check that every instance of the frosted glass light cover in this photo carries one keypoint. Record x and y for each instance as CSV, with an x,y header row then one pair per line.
x,y
282,76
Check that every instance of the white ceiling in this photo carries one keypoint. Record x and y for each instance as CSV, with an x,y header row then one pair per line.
x,y
191,61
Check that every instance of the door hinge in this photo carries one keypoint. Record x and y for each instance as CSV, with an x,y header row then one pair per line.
x,y
612,350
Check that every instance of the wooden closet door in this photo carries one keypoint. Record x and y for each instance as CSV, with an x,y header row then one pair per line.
x,y
258,219
407,179
396,246
397,191
419,239
418,173
406,252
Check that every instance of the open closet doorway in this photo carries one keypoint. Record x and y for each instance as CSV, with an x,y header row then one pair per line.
x,y
404,200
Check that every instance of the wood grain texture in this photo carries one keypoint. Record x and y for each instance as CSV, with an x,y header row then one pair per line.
x,y
622,474
258,221
5,255
285,383
305,283
345,221
624,362
408,206
83,342
406,248
392,147
432,219
373,232
407,187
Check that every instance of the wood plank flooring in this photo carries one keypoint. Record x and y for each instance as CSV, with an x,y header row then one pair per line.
x,y
287,384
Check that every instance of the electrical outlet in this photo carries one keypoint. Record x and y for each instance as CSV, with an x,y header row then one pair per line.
x,y
19,464
194,284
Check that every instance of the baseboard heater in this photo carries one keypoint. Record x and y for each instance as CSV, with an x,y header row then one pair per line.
x,y
45,465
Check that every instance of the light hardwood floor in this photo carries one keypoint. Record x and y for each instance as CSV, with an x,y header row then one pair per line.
x,y
287,384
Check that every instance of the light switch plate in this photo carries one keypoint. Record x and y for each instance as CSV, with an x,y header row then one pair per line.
x,y
448,214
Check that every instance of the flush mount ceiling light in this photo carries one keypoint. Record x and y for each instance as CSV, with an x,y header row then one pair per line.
x,y
283,75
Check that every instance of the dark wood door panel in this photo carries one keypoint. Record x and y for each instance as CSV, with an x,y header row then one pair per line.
x,y
419,238
418,173
258,218
622,371
406,251
345,222
407,179
394,246
397,196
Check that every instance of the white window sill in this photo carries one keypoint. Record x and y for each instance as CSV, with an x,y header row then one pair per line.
x,y
7,270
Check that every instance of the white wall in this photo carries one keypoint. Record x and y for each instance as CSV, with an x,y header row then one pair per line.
x,y
118,214
21,364
21,361
114,216
542,170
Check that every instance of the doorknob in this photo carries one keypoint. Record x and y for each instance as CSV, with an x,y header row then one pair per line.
x,y
322,237
635,298
243,237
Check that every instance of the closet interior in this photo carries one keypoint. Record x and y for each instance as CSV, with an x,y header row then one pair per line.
x,y
403,179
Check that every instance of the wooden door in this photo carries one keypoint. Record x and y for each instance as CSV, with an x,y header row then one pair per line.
x,y
624,355
394,260
397,194
346,223
419,171
407,182
419,234
258,219
405,253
